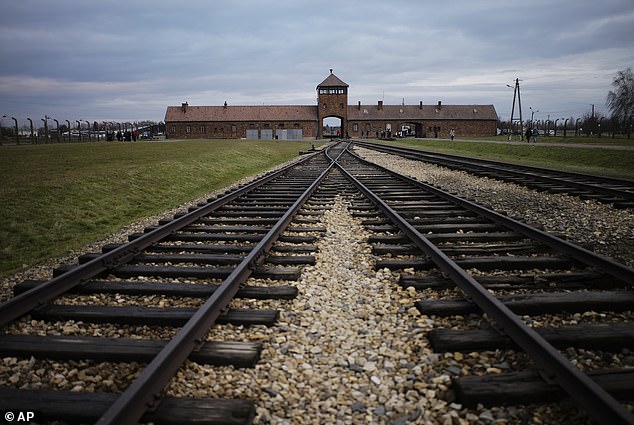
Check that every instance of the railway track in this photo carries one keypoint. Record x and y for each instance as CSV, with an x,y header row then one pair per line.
x,y
428,230
619,193
263,230
436,240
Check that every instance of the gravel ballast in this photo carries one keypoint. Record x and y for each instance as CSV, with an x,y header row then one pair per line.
x,y
351,348
588,223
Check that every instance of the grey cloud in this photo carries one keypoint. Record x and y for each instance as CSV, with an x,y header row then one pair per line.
x,y
118,59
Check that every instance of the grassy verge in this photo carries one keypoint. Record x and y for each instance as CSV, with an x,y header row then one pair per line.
x,y
604,162
580,140
55,198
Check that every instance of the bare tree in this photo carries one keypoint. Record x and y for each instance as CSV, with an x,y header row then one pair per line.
x,y
621,100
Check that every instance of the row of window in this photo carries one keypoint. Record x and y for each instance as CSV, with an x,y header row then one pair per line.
x,y
355,127
333,91
203,128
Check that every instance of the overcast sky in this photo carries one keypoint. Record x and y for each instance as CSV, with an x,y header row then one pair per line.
x,y
129,60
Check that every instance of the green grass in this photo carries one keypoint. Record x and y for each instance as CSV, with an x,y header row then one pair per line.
x,y
597,161
604,140
55,198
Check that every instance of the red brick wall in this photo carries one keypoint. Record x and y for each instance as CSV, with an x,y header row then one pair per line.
x,y
463,128
233,130
333,105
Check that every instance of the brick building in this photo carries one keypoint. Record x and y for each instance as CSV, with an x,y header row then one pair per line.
x,y
300,121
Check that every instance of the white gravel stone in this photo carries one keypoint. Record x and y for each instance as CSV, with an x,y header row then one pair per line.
x,y
351,348
598,226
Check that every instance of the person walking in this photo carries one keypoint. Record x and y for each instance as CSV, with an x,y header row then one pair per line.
x,y
528,135
452,134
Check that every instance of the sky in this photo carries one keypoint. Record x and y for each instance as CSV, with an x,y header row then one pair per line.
x,y
115,60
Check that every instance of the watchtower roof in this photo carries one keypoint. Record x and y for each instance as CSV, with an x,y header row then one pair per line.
x,y
332,81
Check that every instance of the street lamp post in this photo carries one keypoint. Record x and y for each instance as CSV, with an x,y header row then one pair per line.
x,y
532,114
45,120
79,129
565,126
556,119
57,123
68,123
31,121
17,131
88,122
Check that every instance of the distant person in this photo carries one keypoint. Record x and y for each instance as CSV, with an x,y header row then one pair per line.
x,y
452,134
528,135
534,136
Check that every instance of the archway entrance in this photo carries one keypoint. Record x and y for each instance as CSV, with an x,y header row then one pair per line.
x,y
332,127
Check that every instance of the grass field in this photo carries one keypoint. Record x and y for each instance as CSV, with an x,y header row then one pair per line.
x,y
55,198
589,160
59,197
569,139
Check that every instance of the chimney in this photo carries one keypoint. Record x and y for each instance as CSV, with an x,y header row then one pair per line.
x,y
359,107
225,105
380,105
184,107
439,104
420,105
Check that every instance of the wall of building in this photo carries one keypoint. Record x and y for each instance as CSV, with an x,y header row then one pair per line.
x,y
333,105
233,130
430,128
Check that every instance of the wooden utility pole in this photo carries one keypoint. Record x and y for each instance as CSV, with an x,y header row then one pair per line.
x,y
516,95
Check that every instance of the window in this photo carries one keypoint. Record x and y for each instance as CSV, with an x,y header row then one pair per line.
x,y
203,129
355,127
173,129
233,128
341,90
325,106
188,129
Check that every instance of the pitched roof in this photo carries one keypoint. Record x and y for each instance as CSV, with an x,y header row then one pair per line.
x,y
310,113
242,113
427,112
332,81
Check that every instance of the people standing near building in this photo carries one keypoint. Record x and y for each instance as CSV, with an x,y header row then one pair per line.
x,y
528,134
452,134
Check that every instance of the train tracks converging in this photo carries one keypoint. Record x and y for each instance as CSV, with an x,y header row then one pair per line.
x,y
207,254
429,230
619,193
486,267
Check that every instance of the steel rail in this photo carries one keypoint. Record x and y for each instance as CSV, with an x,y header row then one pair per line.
x,y
477,161
494,166
21,304
146,389
605,264
588,394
